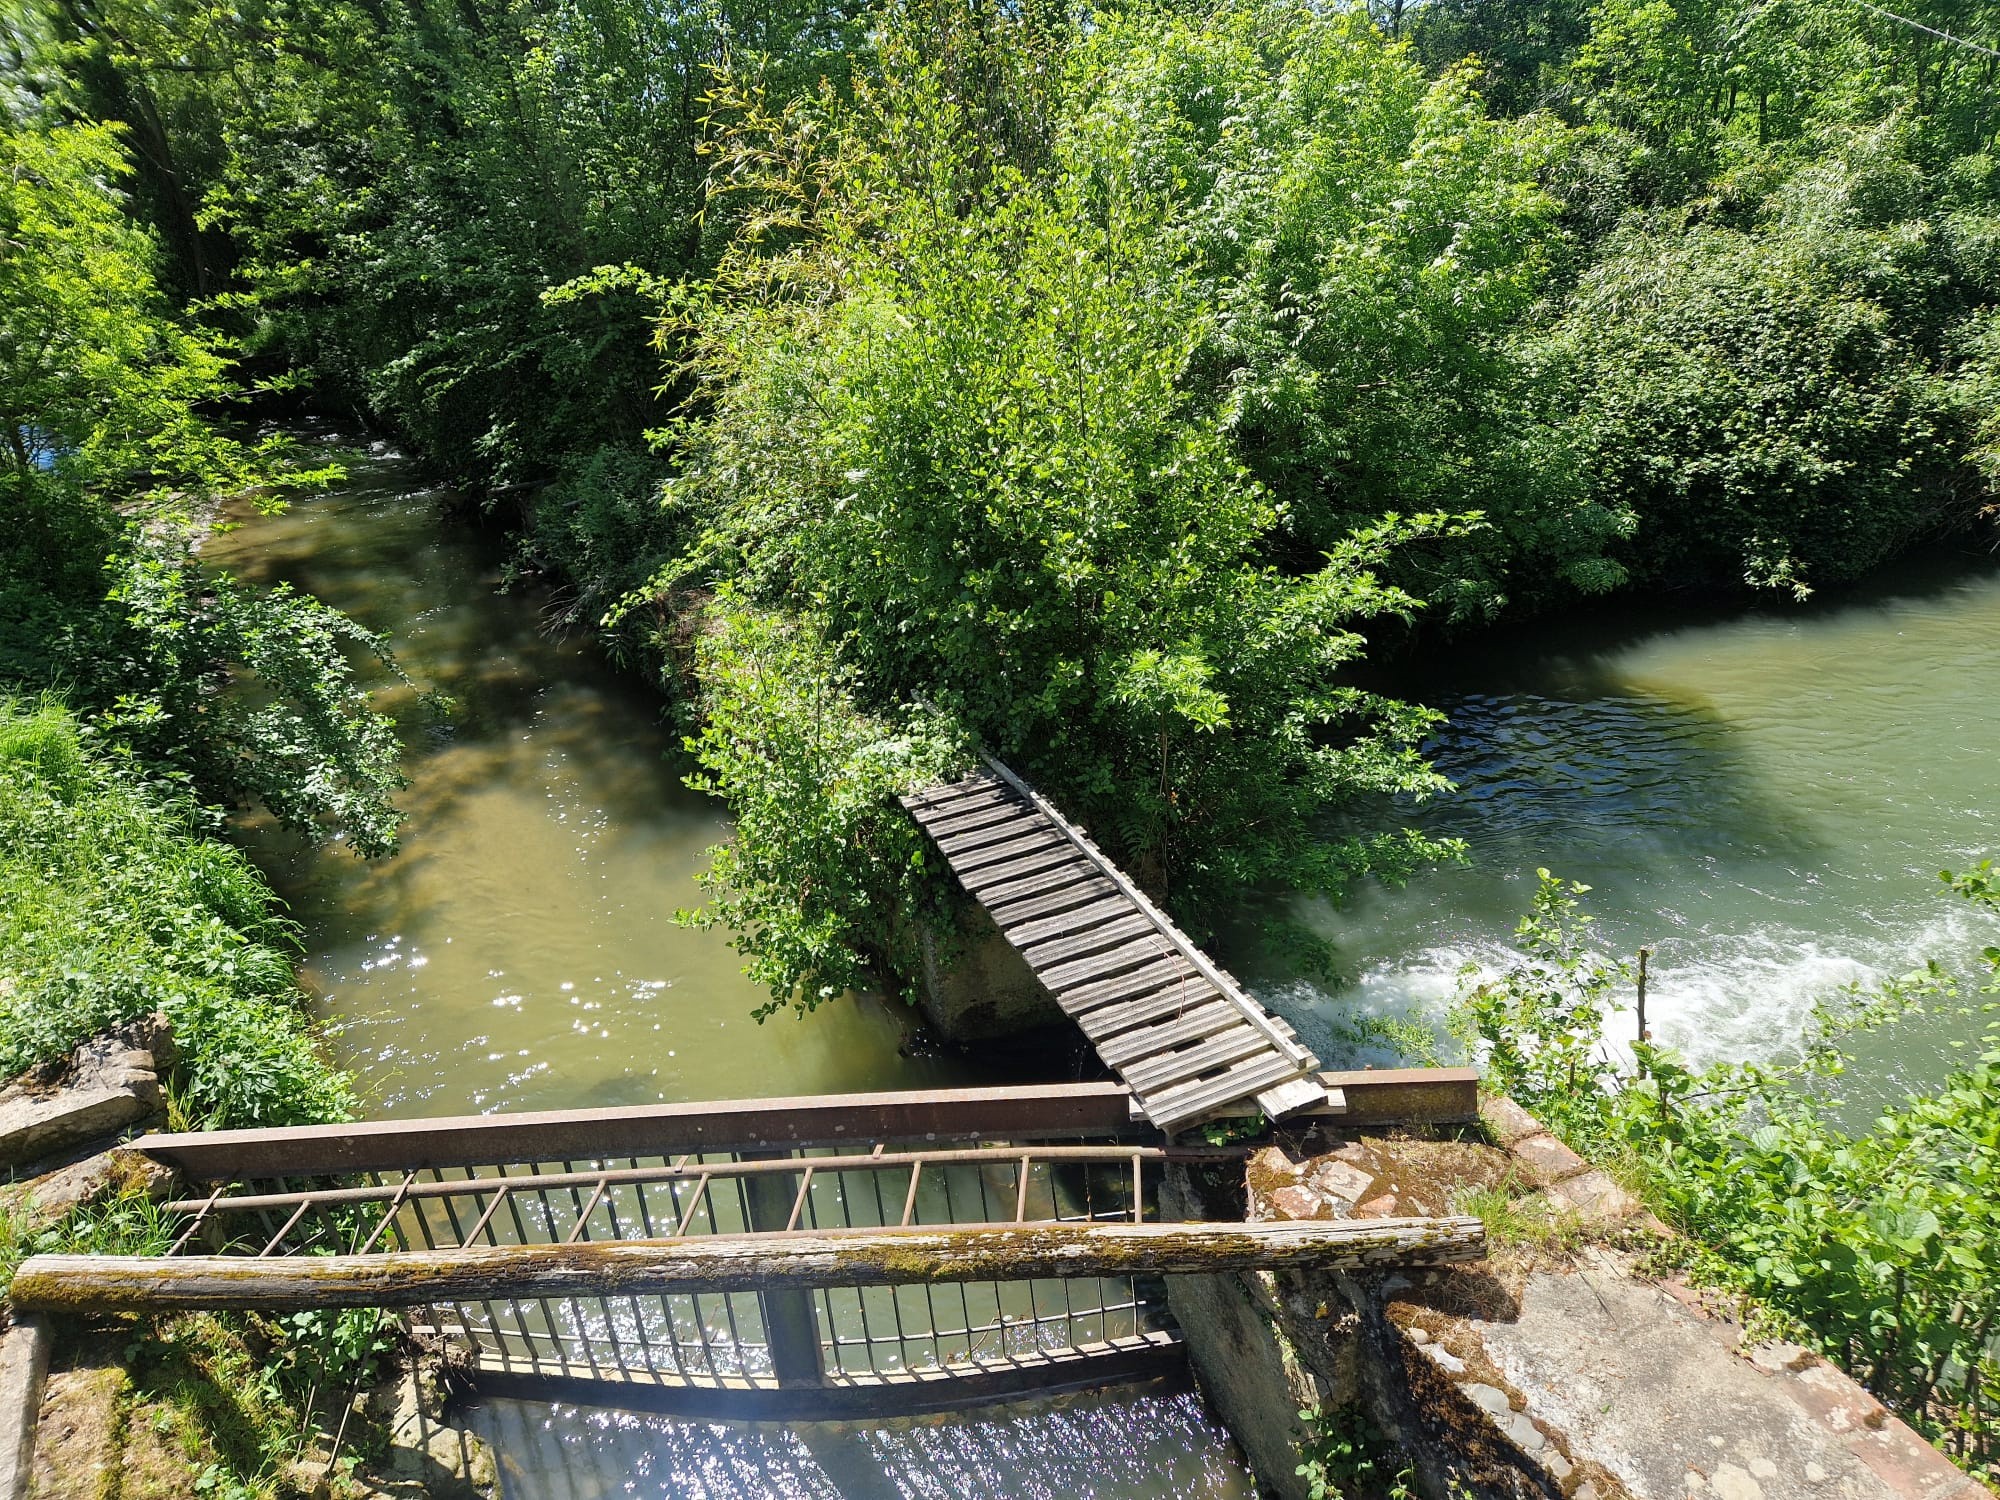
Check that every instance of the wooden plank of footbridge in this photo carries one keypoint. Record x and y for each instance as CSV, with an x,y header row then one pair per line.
x,y
1186,1038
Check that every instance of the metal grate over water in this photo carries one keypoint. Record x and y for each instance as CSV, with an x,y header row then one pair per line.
x,y
731,1339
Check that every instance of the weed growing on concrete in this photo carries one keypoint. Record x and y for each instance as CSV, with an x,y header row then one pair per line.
x,y
1345,1456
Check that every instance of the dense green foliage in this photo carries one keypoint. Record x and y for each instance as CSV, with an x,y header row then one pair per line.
x,y
106,400
112,907
1103,382
1881,1246
820,848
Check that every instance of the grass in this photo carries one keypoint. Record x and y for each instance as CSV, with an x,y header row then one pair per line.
x,y
1520,1220
113,905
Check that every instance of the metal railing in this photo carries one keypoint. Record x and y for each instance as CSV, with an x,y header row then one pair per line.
x,y
270,1193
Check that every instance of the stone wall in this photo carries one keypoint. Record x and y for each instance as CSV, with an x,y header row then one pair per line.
x,y
1559,1369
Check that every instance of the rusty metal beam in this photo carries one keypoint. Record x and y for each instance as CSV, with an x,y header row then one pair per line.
x,y
1402,1096
1035,1112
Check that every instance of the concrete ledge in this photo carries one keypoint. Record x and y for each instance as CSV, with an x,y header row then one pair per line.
x,y
24,1366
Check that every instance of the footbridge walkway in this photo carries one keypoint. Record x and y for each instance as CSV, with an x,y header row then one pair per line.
x,y
809,1257
1190,1042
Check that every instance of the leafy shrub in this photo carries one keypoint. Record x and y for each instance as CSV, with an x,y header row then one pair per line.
x,y
824,881
1758,417
1880,1246
952,413
112,907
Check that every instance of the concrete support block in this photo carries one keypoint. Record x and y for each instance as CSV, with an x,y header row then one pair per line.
x,y
977,987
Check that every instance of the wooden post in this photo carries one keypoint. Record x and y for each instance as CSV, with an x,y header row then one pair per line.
x,y
791,1323
1644,954
799,1260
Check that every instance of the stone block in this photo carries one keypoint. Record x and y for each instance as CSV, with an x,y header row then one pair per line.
x,y
1341,1180
1594,1195
110,1088
54,1195
1299,1202
1507,1121
1548,1158
24,1366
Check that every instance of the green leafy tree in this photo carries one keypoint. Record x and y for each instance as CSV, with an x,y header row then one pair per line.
x,y
953,409
111,453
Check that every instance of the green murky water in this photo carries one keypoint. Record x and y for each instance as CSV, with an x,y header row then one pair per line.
x,y
521,952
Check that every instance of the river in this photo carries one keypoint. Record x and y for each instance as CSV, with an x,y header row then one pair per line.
x,y
1764,796
521,953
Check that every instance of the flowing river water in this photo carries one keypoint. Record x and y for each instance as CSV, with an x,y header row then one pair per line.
x,y
1764,796
521,953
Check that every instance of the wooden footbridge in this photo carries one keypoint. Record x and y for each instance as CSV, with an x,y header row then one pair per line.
x,y
812,1257
1187,1039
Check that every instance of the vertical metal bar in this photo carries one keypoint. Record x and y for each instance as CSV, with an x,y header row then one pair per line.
x,y
790,1321
549,1324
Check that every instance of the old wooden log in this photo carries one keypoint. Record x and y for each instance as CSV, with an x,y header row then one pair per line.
x,y
727,1263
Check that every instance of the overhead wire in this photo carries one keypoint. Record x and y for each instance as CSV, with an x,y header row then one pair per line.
x,y
1931,30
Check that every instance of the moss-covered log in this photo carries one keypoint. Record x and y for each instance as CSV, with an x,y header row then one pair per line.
x,y
756,1262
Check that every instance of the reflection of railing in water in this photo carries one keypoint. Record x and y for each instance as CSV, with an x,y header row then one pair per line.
x,y
895,1164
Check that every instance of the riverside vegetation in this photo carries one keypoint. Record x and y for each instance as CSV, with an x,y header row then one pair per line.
x,y
1099,387
1880,1246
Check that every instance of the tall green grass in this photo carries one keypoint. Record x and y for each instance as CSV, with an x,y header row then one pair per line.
x,y
113,905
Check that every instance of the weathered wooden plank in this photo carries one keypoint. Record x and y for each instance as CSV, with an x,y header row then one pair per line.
x,y
1024,932
1174,970
1142,1012
751,1262
959,846
1299,1093
1040,838
999,810
936,800
1055,951
1204,1020
1111,961
1065,897
1162,1071
1031,876
1172,1108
